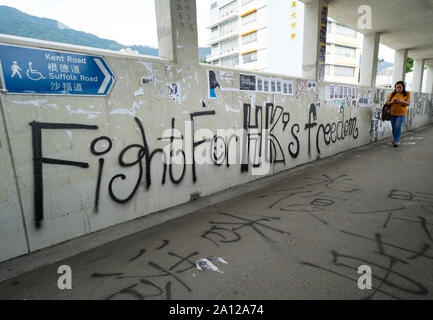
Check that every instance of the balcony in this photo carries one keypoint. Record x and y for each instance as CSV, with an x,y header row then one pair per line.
x,y
233,33
222,54
225,18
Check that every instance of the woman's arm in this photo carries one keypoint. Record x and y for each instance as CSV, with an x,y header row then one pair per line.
x,y
388,102
403,102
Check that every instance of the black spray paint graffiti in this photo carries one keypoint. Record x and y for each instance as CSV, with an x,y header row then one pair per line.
x,y
420,103
319,196
197,143
226,234
422,200
254,123
142,152
391,278
38,160
143,155
333,132
146,286
379,96
101,165
377,124
310,125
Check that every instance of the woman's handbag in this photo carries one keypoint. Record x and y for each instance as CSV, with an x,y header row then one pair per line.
x,y
386,109
386,113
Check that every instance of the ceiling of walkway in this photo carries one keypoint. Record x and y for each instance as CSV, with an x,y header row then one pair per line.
x,y
403,24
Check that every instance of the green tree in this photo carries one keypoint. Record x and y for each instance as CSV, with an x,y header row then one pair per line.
x,y
409,65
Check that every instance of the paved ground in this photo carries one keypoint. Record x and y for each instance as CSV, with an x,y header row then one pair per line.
x,y
301,238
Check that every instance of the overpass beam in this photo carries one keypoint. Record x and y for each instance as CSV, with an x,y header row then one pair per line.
x,y
400,62
370,52
177,30
418,71
315,23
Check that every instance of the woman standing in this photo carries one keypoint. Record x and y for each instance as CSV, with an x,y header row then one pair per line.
x,y
399,100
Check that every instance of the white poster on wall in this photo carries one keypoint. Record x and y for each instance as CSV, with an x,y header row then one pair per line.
x,y
266,85
291,87
279,85
260,84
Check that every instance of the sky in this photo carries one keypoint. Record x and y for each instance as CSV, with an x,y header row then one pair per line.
x,y
128,22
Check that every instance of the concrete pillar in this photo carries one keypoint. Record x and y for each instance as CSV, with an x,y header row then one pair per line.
x,y
177,30
370,52
429,80
418,71
315,16
400,62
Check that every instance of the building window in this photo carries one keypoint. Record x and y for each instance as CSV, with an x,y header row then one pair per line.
x,y
327,69
230,61
343,71
216,62
249,18
328,49
250,57
215,49
213,5
229,9
229,27
345,51
250,37
214,32
329,27
229,45
346,31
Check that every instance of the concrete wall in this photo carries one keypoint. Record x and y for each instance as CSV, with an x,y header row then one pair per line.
x,y
305,126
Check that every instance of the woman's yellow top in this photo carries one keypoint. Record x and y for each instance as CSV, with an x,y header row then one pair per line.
x,y
397,109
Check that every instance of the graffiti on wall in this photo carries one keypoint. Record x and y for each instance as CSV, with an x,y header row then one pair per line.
x,y
257,142
377,126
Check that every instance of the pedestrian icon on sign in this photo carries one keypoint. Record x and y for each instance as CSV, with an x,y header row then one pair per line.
x,y
16,70
34,74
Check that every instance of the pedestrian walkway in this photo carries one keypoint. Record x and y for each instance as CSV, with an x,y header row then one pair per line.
x,y
303,237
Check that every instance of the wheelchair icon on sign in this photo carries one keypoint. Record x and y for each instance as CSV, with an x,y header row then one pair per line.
x,y
34,74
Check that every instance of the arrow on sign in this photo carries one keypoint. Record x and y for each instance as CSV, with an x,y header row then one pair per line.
x,y
106,74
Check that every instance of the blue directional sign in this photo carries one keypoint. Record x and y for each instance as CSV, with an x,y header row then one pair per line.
x,y
38,71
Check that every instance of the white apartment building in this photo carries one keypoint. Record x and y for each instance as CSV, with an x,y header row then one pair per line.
x,y
267,35
343,53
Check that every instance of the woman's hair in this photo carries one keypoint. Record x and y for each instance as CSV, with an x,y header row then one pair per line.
x,y
404,88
